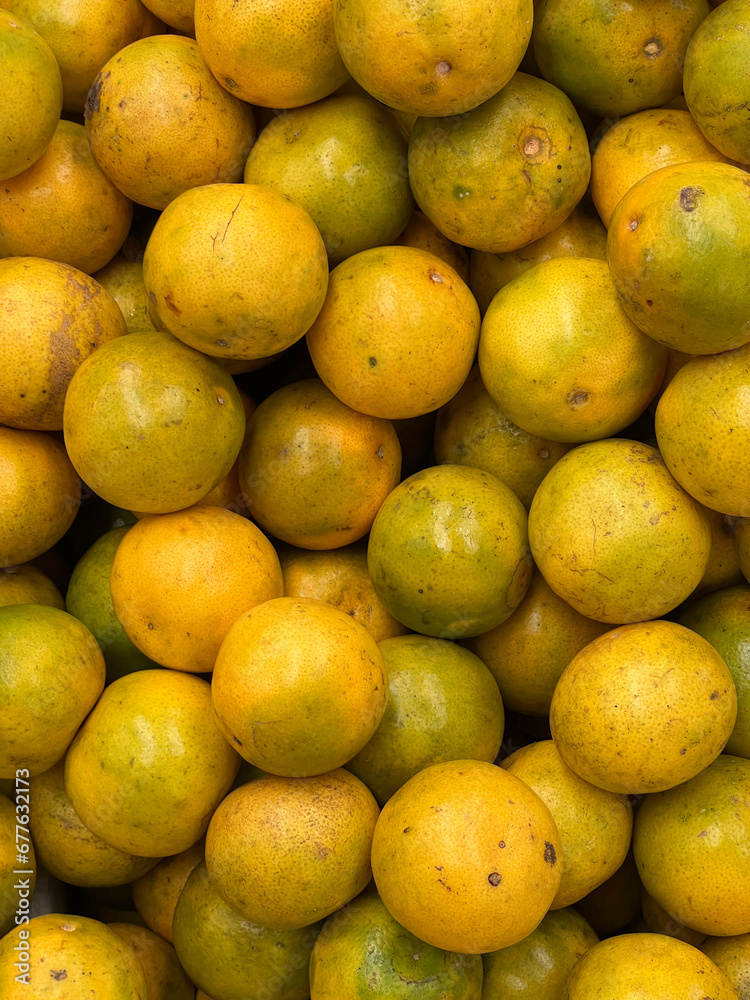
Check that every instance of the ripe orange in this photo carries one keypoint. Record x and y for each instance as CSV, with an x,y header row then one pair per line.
x,y
616,903
176,13
421,233
155,894
482,853
732,955
397,333
167,980
27,584
123,279
659,921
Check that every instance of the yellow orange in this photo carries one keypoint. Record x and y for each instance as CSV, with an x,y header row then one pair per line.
x,y
155,893
27,584
167,980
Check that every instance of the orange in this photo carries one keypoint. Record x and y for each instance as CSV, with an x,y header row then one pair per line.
x,y
732,955
276,55
471,429
643,707
615,58
55,317
448,552
703,430
505,173
647,967
581,234
32,94
149,765
615,535
63,207
167,979
155,894
443,704
397,333
159,123
432,60
723,619
537,967
176,13
362,945
595,825
343,159
528,652
340,578
66,848
287,852
675,245
214,239
52,675
638,144
15,896
83,35
27,584
80,953
179,581
152,425
123,279
314,471
659,921
421,233
482,853
233,957
616,903
299,687
692,848
559,355
715,66
723,568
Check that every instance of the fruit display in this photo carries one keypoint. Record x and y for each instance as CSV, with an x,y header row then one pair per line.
x,y
374,500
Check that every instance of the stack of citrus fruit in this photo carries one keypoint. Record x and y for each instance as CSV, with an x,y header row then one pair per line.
x,y
375,500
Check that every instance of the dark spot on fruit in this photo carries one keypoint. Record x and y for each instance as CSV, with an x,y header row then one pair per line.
x,y
526,176
683,752
653,48
151,626
372,362
689,198
494,878
238,742
713,696
93,98
501,844
406,829
169,303
649,302
550,854
58,974
577,398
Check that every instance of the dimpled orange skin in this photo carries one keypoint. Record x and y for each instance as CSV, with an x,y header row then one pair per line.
x,y
615,535
299,687
286,852
314,471
467,857
213,239
397,333
643,707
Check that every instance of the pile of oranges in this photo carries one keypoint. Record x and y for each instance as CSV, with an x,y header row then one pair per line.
x,y
375,500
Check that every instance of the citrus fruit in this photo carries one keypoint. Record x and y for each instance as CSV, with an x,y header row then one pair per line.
x,y
343,159
527,653
647,967
472,429
52,674
505,173
559,355
692,848
637,145
123,279
595,825
298,687
715,77
80,953
55,317
723,619
443,704
397,333
176,13
362,950
448,551
482,854
63,207
675,245
149,765
643,707
159,123
421,233
537,967
732,955
659,921
27,584
581,234
150,424
287,852
313,470
273,54
340,578
616,903
167,979
233,957
723,568
65,847
432,60
155,893
615,535
15,896
179,581
615,58
703,430
32,96
214,239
